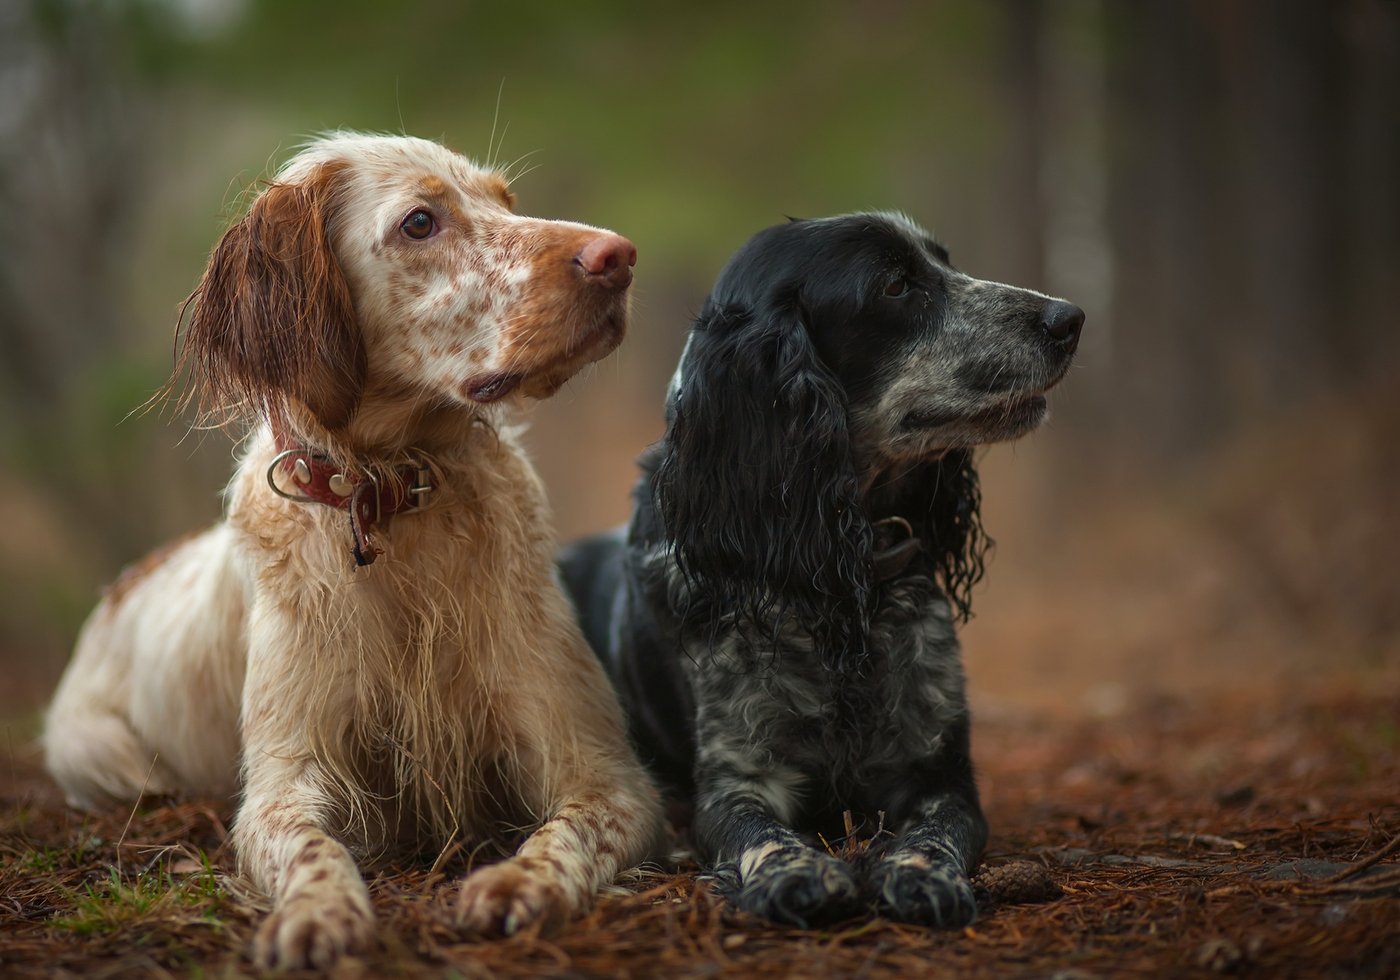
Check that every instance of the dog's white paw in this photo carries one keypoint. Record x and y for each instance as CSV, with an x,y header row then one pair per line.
x,y
501,899
314,930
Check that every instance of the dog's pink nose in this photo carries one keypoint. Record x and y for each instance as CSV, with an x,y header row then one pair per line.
x,y
608,258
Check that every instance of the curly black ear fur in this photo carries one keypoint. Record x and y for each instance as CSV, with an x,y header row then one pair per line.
x,y
757,489
952,526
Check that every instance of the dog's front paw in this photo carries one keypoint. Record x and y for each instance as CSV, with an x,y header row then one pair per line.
x,y
913,890
314,930
801,887
500,899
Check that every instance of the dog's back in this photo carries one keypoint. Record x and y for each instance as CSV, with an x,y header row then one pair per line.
x,y
147,672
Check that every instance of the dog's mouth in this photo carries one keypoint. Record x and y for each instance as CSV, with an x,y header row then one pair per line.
x,y
1020,411
493,387
545,378
1016,413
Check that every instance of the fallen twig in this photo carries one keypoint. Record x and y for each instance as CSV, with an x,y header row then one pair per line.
x,y
1364,863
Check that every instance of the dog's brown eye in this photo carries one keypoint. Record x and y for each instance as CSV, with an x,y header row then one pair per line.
x,y
418,225
897,287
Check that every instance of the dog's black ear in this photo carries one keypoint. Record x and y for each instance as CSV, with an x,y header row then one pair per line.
x,y
952,527
757,490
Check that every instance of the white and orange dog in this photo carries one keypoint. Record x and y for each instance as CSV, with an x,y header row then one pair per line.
x,y
372,647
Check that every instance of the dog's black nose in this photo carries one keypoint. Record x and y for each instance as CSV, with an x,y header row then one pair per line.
x,y
1062,321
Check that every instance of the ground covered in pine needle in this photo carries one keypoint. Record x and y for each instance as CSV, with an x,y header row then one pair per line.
x,y
1238,833
1186,723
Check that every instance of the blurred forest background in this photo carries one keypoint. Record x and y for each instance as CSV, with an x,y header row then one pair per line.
x,y
1217,183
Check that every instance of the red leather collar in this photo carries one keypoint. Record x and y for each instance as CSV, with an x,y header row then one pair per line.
x,y
369,496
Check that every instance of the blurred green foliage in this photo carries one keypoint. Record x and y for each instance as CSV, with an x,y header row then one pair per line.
x,y
684,125
686,128
1231,168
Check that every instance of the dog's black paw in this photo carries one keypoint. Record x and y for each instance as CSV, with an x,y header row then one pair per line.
x,y
802,888
915,891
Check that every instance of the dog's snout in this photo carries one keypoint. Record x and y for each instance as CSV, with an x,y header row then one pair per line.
x,y
608,259
1062,321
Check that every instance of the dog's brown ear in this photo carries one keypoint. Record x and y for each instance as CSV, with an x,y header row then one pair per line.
x,y
272,319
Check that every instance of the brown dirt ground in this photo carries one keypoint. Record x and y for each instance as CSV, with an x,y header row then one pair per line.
x,y
1186,718
1183,837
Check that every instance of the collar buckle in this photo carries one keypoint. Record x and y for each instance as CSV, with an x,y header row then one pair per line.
x,y
369,496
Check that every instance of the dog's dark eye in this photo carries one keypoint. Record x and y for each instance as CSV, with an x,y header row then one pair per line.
x,y
896,287
418,225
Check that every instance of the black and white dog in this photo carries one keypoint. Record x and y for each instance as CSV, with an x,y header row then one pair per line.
x,y
778,618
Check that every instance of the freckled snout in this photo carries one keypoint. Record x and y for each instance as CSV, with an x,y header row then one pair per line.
x,y
1062,322
607,259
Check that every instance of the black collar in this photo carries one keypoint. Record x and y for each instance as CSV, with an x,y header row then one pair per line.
x,y
895,546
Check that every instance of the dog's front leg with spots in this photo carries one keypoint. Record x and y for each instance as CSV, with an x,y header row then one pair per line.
x,y
321,909
924,876
559,870
742,810
601,813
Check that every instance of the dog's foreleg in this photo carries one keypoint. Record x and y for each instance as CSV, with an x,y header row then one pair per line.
x,y
601,812
559,870
923,876
321,908
742,808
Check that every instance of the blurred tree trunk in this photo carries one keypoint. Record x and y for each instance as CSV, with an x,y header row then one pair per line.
x,y
1053,71
1023,24
1248,261
71,142
1165,208
1283,86
1369,178
70,148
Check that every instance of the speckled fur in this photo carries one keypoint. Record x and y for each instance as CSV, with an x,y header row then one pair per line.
x,y
443,694
833,387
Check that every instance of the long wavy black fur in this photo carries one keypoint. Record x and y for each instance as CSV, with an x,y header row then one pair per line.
x,y
951,527
756,486
758,492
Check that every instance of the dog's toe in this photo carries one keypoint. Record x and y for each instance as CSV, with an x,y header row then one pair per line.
x,y
805,890
918,892
503,898
313,931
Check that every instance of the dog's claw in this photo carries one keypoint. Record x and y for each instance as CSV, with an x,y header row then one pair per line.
x,y
804,891
937,896
313,932
501,899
